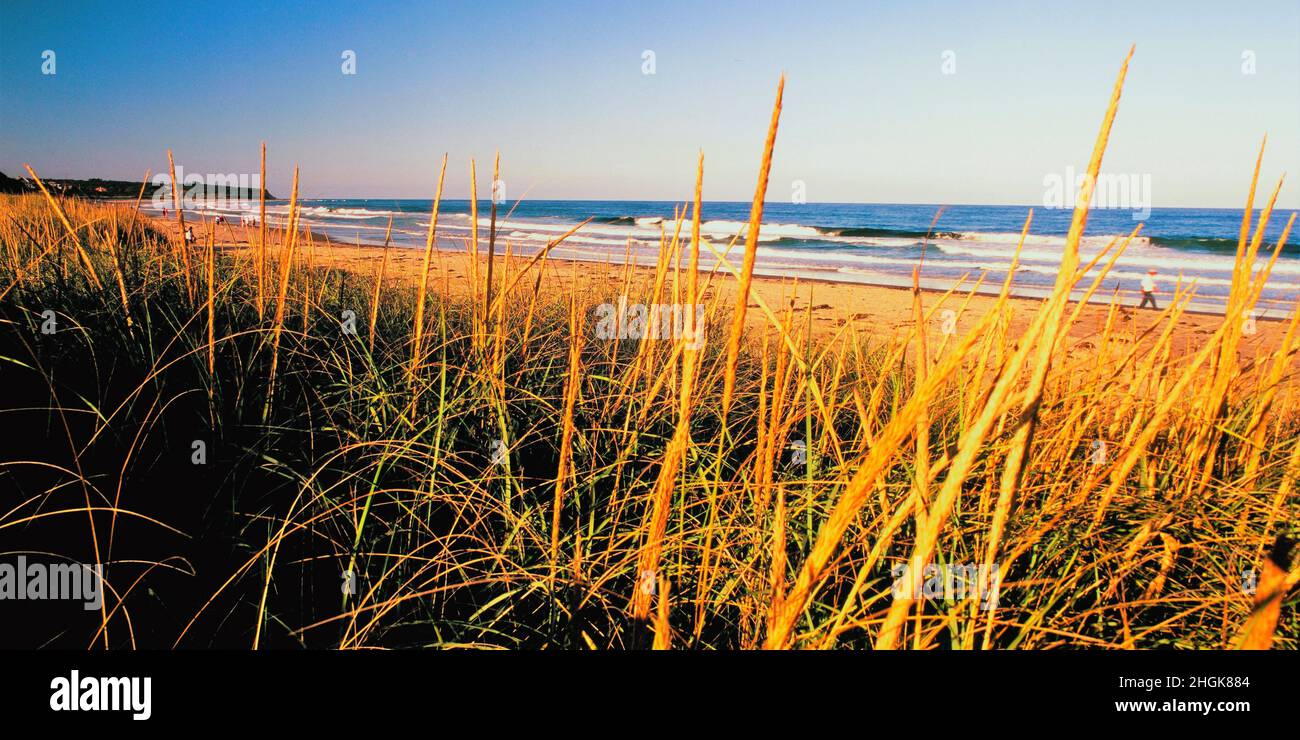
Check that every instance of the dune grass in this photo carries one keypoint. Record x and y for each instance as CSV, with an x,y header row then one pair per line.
x,y
478,468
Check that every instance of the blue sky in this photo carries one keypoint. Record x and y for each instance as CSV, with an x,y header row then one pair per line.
x,y
558,88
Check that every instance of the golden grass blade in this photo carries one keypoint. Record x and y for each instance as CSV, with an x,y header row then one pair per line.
x,y
379,282
210,262
563,471
286,267
417,349
475,319
182,247
261,237
663,630
751,252
492,236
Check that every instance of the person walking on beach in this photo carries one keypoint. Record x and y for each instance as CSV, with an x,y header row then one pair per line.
x,y
1149,290
189,235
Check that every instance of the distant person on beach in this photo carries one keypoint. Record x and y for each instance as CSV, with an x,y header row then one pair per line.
x,y
1149,290
220,219
189,235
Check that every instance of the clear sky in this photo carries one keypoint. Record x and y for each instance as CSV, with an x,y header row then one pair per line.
x,y
559,88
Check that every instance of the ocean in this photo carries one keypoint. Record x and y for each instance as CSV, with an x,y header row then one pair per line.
x,y
854,243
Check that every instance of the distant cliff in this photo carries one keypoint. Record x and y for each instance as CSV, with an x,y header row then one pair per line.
x,y
97,188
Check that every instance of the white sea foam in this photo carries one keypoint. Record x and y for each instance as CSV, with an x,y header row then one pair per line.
x,y
1094,241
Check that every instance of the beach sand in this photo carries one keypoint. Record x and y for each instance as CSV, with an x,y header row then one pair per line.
x,y
876,312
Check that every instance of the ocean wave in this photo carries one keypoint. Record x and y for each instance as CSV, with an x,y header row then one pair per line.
x,y
870,231
861,257
650,227
335,210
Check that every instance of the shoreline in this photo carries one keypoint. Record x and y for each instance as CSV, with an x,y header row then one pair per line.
x,y
827,244
877,310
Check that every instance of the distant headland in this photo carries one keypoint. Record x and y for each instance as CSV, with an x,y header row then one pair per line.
x,y
97,188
